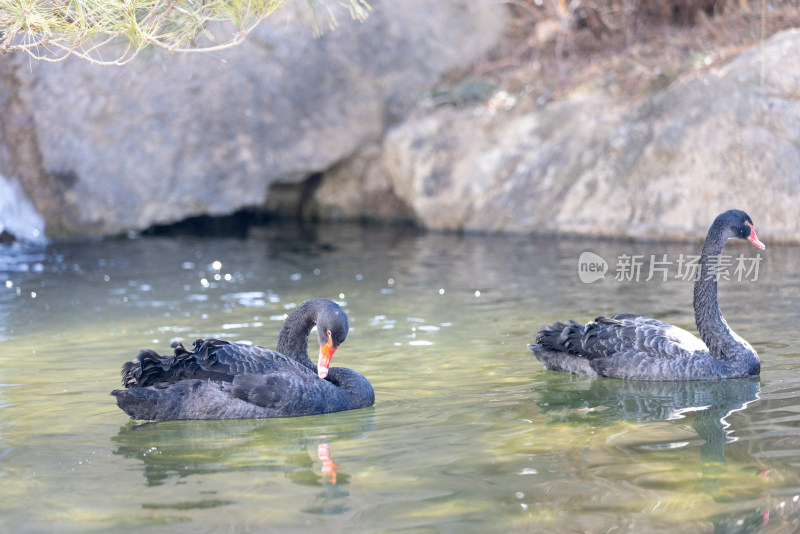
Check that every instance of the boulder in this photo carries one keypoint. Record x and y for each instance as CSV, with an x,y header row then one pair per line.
x,y
663,167
105,150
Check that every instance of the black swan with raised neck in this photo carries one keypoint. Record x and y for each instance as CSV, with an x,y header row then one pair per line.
x,y
225,380
642,348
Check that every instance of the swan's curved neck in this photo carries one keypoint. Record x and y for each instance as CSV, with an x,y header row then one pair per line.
x,y
293,338
722,342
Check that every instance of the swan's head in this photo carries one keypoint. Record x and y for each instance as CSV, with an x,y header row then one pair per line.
x,y
736,223
332,328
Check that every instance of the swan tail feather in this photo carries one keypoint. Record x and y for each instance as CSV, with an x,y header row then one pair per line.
x,y
151,368
562,337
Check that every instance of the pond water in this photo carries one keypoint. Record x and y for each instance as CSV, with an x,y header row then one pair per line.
x,y
468,433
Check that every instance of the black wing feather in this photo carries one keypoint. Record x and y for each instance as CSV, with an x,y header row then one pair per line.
x,y
624,333
211,359
281,391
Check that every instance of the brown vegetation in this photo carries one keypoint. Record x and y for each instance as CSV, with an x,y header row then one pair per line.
x,y
628,48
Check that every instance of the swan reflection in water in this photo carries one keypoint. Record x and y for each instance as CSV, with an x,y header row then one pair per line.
x,y
613,400
606,401
328,464
300,449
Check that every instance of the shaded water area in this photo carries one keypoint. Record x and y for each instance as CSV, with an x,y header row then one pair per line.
x,y
468,433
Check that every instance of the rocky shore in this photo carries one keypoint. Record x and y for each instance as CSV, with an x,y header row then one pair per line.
x,y
345,127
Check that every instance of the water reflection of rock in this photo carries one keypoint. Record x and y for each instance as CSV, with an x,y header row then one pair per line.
x,y
302,449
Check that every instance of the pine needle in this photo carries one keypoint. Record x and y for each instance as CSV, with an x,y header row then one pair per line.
x,y
52,30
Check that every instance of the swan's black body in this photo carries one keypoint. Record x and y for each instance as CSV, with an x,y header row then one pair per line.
x,y
642,348
223,380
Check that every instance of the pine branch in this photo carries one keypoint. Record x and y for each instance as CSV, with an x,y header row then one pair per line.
x,y
52,30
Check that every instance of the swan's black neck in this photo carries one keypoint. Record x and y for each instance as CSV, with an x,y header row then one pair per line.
x,y
293,338
722,342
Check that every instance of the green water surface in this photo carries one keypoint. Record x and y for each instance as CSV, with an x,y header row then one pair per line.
x,y
468,433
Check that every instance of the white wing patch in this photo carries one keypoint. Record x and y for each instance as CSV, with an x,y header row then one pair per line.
x,y
685,339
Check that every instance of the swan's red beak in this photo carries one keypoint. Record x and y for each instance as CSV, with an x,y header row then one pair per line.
x,y
325,354
754,238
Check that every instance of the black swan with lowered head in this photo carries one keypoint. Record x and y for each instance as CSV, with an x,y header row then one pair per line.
x,y
641,348
224,380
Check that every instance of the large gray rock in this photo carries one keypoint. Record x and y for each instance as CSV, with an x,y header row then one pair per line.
x,y
663,167
102,150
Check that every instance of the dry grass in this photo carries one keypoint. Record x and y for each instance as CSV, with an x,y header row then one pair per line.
x,y
549,54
